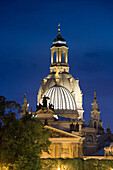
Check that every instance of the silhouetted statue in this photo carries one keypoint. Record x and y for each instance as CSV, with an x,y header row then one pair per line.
x,y
39,107
71,127
77,128
51,106
45,101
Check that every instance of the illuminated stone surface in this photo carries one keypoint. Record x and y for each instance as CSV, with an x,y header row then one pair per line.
x,y
59,74
61,98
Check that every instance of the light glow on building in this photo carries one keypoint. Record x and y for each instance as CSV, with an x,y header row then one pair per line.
x,y
61,98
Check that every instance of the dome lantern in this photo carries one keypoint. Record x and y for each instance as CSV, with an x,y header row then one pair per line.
x,y
59,75
59,54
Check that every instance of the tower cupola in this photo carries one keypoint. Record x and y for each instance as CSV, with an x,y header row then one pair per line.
x,y
59,40
59,54
60,86
25,106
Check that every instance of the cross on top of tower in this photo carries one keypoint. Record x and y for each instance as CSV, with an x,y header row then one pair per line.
x,y
59,29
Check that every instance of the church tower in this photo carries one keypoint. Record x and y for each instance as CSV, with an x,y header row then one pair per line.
x,y
95,121
25,106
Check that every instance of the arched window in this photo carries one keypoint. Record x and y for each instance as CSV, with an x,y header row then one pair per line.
x,y
63,60
90,138
54,57
64,57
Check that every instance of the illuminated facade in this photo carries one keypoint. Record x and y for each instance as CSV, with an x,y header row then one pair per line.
x,y
61,98
109,150
59,107
59,75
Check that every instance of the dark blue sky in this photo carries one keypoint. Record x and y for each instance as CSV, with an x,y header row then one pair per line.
x,y
27,28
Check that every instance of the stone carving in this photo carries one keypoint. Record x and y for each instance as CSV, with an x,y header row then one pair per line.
x,y
109,150
55,134
65,150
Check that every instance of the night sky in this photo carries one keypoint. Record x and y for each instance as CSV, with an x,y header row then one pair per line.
x,y
27,29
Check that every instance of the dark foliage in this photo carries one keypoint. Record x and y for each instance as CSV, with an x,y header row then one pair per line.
x,y
21,141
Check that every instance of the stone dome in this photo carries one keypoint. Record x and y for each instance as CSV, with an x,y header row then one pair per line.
x,y
59,74
67,82
61,98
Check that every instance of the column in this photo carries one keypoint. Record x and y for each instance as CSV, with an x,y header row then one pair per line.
x,y
51,57
59,55
66,57
76,150
72,154
53,153
80,149
80,126
57,150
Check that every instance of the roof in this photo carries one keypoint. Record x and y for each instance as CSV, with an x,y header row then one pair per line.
x,y
101,136
59,41
61,98
64,133
99,153
105,136
60,38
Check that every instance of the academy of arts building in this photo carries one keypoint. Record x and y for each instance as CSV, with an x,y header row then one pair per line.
x,y
60,108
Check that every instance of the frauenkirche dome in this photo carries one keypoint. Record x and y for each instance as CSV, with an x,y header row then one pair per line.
x,y
61,98
69,90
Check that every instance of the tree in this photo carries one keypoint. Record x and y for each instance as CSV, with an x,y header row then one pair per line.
x,y
7,115
22,141
7,110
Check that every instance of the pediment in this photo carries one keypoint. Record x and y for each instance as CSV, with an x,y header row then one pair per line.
x,y
45,111
57,133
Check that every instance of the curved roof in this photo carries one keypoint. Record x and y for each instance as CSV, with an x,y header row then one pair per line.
x,y
61,98
59,41
65,80
59,37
